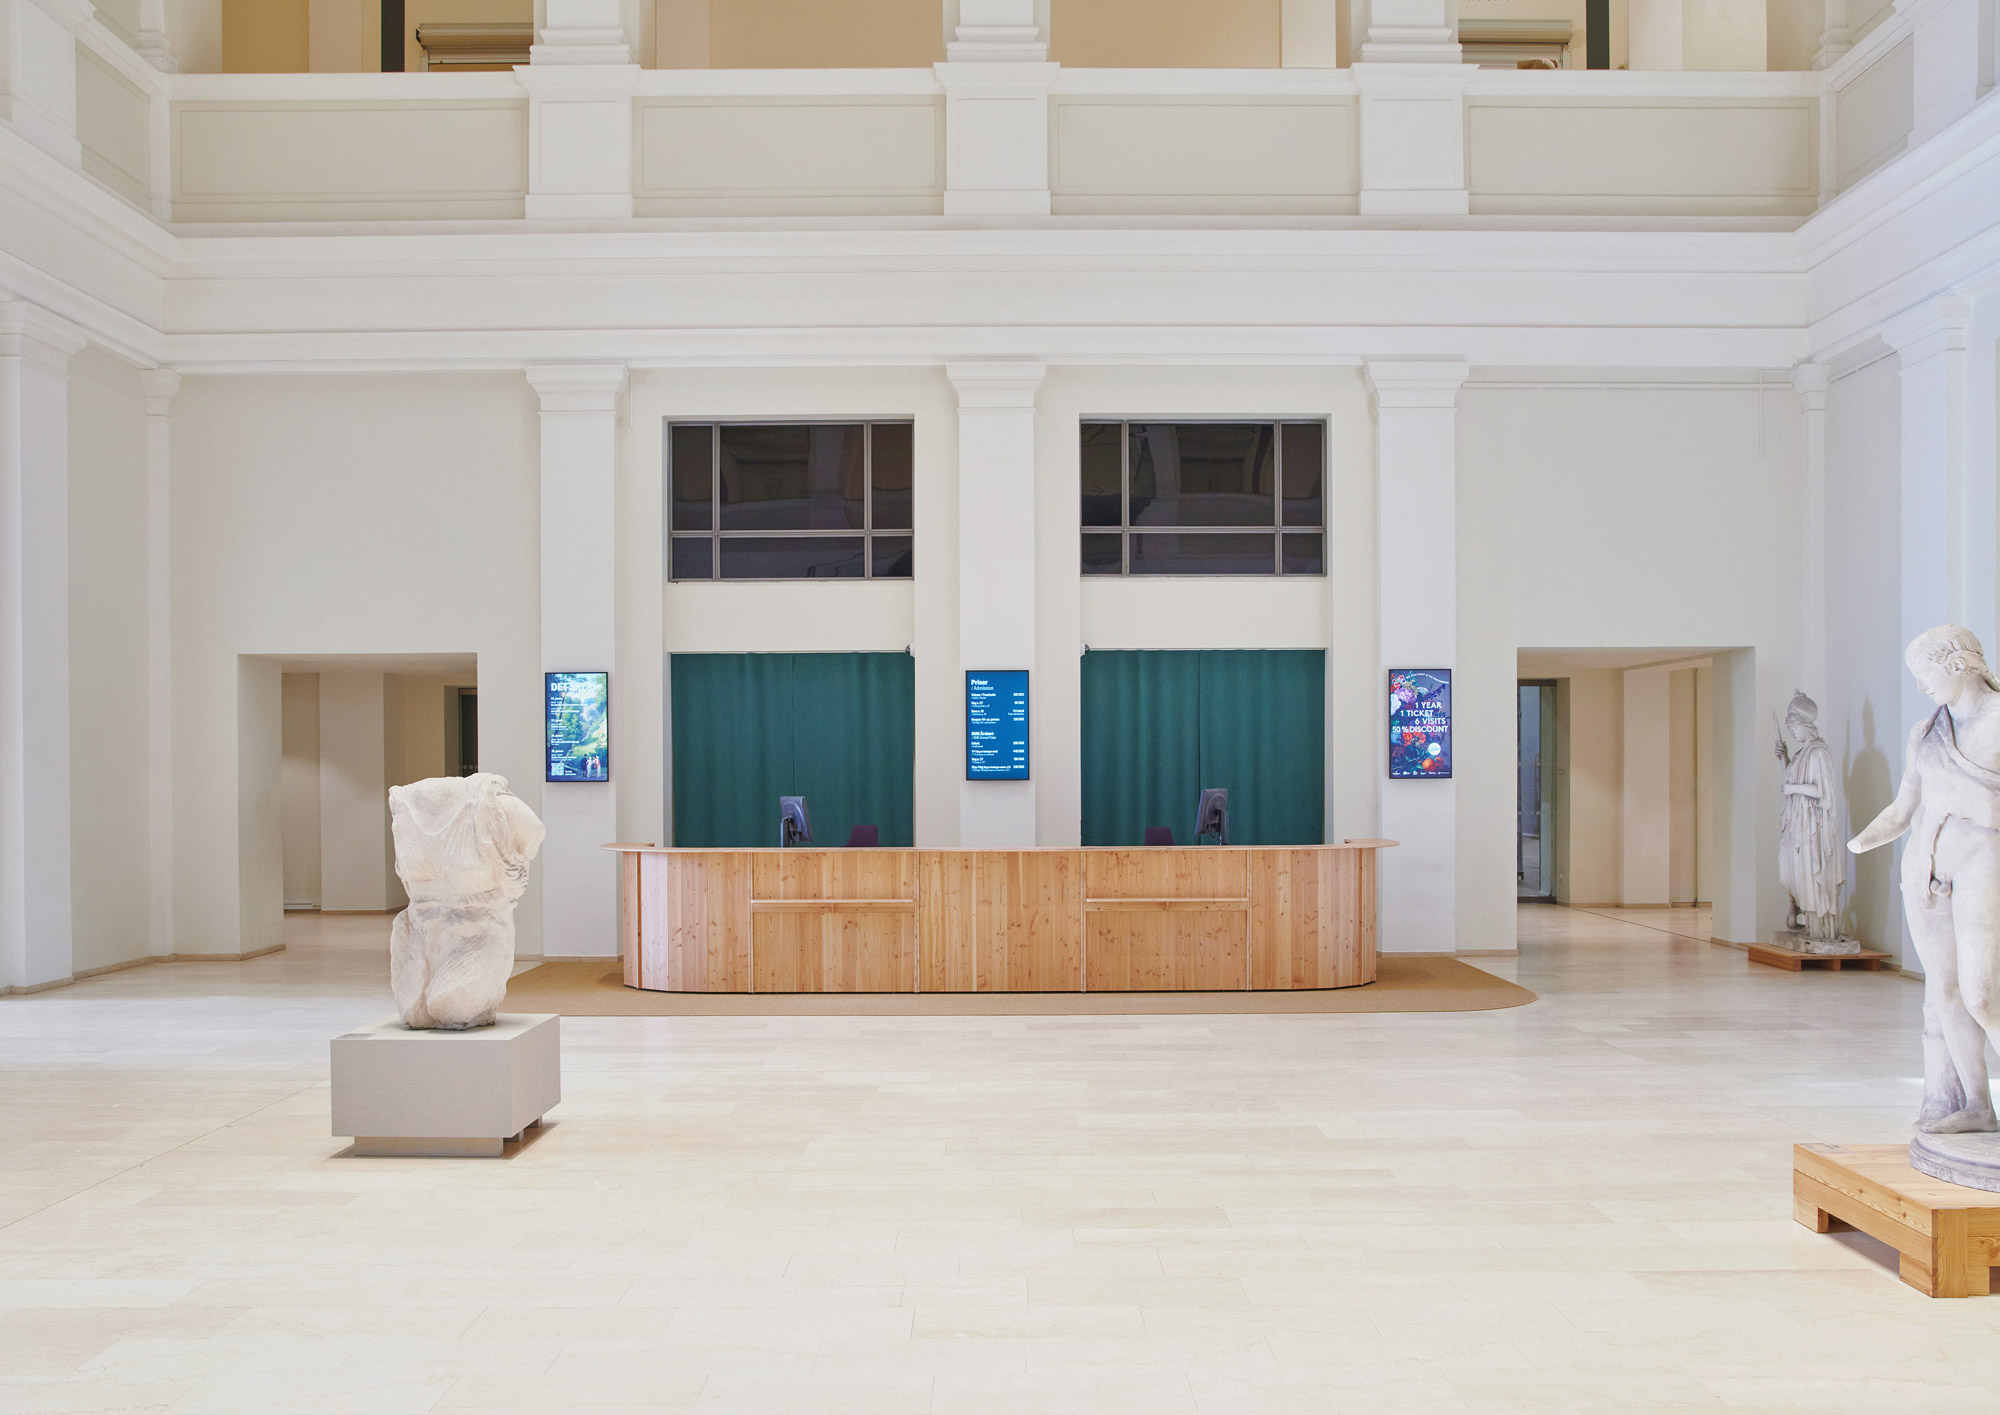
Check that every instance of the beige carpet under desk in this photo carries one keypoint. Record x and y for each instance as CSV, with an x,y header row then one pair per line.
x,y
595,989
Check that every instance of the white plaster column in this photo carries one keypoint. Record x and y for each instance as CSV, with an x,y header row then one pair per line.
x,y
160,385
996,82
996,571
152,37
38,72
1412,87
579,461
1835,38
1411,32
1810,381
580,79
35,351
1416,470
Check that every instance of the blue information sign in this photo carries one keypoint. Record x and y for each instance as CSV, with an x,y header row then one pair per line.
x,y
996,724
578,726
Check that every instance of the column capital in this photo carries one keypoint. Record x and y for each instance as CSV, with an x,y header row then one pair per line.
x,y
997,31
578,388
47,340
1936,326
581,32
1416,383
1810,381
996,383
160,386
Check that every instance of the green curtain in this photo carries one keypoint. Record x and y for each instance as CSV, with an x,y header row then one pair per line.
x,y
1158,726
836,728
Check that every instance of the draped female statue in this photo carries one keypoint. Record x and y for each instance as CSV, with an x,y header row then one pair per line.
x,y
1949,803
1809,863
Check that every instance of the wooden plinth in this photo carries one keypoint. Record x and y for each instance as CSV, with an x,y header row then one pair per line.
x,y
1792,958
1949,1235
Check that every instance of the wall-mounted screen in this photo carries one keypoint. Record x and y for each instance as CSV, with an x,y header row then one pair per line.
x,y
578,726
996,724
1419,723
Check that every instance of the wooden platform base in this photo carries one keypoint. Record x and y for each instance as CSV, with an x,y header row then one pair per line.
x,y
1949,1235
1791,958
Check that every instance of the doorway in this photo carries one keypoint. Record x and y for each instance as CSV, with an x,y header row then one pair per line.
x,y
1535,739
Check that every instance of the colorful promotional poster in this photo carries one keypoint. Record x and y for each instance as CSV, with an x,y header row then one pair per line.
x,y
1419,722
579,726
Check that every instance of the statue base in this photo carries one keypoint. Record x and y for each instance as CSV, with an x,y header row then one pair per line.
x,y
1797,942
1943,1233
437,1092
1971,1160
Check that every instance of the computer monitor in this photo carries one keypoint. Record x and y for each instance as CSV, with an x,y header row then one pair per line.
x,y
794,824
1211,815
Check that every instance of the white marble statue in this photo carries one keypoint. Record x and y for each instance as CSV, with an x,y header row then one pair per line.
x,y
1810,866
1949,801
462,850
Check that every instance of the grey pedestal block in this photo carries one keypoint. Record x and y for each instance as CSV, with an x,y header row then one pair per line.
x,y
399,1092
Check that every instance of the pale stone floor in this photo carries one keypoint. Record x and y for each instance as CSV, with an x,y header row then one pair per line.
x,y
1582,1204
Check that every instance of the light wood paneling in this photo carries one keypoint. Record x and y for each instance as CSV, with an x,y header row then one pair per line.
x,y
835,949
629,929
1000,921
1197,949
1305,931
834,874
699,906
1189,872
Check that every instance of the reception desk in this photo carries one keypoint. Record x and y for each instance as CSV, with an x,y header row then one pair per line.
x,y
1207,918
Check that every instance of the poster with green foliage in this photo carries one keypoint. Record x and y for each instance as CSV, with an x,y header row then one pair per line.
x,y
579,726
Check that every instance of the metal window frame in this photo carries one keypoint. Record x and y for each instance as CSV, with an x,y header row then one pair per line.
x,y
1277,529
715,534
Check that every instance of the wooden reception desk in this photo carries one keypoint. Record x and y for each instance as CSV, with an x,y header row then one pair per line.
x,y
1042,920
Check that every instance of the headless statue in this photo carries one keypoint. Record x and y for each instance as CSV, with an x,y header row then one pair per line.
x,y
1949,802
462,850
1809,859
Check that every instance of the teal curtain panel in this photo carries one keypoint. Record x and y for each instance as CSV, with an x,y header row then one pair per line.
x,y
836,728
1160,725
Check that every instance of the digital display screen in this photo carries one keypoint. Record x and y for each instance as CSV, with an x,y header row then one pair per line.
x,y
578,726
996,724
1419,723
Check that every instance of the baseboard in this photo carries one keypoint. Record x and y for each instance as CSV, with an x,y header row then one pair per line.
x,y
567,957
12,991
332,912
81,973
220,957
1465,953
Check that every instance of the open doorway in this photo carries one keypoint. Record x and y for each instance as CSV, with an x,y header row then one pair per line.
x,y
1535,738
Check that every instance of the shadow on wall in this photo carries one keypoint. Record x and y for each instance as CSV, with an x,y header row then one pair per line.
x,y
1870,784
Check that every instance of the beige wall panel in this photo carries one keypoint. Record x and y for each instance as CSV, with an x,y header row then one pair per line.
x,y
345,36
771,156
299,787
266,36
1865,15
1679,158
253,161
1167,34
1873,114
1791,33
111,123
121,17
806,34
1204,154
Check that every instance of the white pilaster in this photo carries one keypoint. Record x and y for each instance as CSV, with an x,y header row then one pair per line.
x,y
1413,136
1810,380
35,351
579,462
160,385
1411,32
153,46
585,32
38,72
996,568
580,80
996,82
1416,469
1835,38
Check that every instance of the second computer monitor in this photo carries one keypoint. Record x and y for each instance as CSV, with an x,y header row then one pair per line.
x,y
1211,815
794,824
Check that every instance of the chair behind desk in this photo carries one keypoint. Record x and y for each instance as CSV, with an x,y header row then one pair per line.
x,y
864,837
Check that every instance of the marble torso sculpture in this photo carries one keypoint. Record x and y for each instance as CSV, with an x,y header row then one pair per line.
x,y
1949,801
1809,859
462,850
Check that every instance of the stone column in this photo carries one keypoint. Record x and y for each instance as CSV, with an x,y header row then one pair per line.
x,y
160,385
579,461
35,352
996,82
38,72
996,568
1416,471
1412,87
1810,380
580,79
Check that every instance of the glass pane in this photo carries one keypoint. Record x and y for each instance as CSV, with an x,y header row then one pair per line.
x,y
1305,473
1161,553
692,464
1103,471
1203,474
693,558
793,558
1102,554
1305,555
791,477
895,471
891,555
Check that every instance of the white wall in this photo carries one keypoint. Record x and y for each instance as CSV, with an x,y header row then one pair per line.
x,y
110,874
355,855
299,789
1644,812
1594,722
338,514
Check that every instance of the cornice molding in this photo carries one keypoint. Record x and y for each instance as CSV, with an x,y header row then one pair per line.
x,y
566,389
996,384
1924,331
159,385
1416,384
39,337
